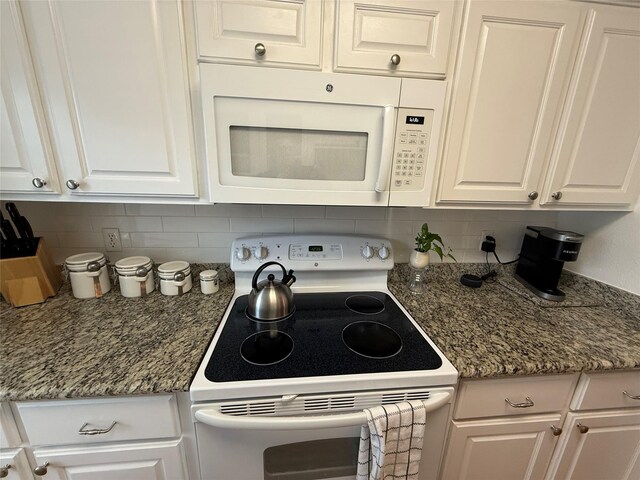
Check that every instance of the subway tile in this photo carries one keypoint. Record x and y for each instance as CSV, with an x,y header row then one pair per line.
x,y
262,225
69,208
50,238
161,210
55,223
145,240
128,224
200,255
157,255
364,213
125,239
293,211
228,210
222,240
327,225
442,228
384,227
81,239
195,224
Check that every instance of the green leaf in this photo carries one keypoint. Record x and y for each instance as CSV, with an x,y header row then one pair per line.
x,y
438,250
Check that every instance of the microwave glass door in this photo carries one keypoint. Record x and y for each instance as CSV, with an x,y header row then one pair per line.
x,y
280,146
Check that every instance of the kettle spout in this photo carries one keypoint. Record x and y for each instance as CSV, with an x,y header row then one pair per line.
x,y
289,278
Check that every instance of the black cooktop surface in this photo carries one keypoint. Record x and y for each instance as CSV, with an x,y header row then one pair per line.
x,y
329,334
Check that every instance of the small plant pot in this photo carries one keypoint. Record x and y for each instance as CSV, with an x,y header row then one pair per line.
x,y
419,259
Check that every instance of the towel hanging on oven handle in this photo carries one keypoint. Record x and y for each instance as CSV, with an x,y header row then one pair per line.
x,y
215,418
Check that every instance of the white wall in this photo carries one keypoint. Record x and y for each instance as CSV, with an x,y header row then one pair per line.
x,y
205,233
611,250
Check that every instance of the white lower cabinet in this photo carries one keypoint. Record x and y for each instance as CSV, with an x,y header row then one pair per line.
x,y
14,465
501,449
147,461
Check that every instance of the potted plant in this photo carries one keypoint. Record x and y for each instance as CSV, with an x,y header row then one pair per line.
x,y
425,242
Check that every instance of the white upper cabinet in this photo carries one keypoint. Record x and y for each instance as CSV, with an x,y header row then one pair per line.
x,y
114,82
406,38
26,161
513,70
597,160
270,32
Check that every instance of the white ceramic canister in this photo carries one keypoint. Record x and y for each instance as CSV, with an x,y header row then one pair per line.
x,y
135,276
209,282
175,277
88,274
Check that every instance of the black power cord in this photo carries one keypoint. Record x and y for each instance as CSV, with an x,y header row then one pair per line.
x,y
474,281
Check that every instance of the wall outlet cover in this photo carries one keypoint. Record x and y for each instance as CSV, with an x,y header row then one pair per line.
x,y
112,240
483,236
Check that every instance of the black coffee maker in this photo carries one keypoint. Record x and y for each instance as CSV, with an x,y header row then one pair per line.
x,y
544,251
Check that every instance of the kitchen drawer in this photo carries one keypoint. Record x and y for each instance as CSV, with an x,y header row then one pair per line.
x,y
137,418
487,398
605,390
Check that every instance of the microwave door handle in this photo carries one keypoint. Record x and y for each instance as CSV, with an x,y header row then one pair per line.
x,y
386,153
214,418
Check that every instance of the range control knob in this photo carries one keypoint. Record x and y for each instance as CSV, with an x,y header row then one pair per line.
x,y
384,253
367,252
243,254
260,253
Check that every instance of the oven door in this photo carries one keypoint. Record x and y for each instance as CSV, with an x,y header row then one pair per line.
x,y
256,441
278,136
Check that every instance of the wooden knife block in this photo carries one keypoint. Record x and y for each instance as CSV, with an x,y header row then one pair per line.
x,y
29,280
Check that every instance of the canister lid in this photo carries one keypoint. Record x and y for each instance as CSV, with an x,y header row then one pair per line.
x,y
79,262
130,264
208,275
173,267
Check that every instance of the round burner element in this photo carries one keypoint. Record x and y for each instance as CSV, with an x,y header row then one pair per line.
x,y
371,339
365,304
266,348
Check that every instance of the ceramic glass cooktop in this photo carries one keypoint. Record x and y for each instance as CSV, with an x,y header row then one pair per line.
x,y
328,334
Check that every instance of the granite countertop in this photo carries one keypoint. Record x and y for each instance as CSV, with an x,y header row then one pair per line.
x,y
68,348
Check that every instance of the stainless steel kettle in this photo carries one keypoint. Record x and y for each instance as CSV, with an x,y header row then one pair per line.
x,y
271,299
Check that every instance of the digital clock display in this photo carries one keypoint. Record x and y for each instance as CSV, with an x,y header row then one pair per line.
x,y
413,120
315,248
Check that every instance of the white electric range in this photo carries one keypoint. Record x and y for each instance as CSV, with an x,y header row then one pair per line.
x,y
284,399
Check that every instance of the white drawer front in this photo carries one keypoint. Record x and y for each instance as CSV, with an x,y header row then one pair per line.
x,y
488,398
59,422
607,390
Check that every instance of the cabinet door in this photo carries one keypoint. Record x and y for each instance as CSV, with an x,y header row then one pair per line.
x,y
501,449
25,150
419,33
114,79
147,461
599,446
290,32
512,73
16,463
598,158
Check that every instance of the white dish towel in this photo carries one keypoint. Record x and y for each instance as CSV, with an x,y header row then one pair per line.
x,y
391,442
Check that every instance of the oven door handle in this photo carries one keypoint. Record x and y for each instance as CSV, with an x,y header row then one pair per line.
x,y
386,150
216,419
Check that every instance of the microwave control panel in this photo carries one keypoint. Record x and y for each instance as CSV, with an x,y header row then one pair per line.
x,y
413,134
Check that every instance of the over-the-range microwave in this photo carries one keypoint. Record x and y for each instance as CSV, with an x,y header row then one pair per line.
x,y
314,138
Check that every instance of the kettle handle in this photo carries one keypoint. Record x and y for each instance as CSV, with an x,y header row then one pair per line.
x,y
254,280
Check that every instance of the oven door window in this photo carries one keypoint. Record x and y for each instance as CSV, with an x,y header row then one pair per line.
x,y
298,154
294,145
313,460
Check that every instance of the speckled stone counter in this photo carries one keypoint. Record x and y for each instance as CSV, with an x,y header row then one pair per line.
x,y
67,348
502,329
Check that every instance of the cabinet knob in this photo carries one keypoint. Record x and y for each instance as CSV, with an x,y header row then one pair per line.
x,y
533,195
556,195
38,182
72,184
395,59
556,430
582,428
260,49
41,470
4,470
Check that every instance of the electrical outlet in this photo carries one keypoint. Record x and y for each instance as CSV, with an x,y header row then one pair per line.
x,y
483,236
112,241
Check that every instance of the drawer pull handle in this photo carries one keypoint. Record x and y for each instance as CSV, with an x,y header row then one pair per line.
x,y
527,404
632,397
582,428
95,431
557,431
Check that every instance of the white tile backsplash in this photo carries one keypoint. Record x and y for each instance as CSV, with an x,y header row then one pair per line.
x,y
204,233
